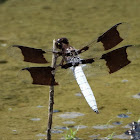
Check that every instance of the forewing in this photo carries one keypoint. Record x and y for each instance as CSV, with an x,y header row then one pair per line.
x,y
112,37
39,75
106,41
28,54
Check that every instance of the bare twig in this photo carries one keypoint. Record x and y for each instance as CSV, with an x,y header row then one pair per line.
x,y
51,96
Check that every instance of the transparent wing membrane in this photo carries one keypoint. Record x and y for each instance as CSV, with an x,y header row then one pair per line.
x,y
96,69
133,53
15,53
25,77
123,29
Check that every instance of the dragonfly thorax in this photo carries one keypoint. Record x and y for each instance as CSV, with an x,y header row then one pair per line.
x,y
72,56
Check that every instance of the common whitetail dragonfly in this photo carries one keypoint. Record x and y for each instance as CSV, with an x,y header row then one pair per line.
x,y
115,59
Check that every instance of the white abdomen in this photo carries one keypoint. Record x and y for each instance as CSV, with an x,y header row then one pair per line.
x,y
85,87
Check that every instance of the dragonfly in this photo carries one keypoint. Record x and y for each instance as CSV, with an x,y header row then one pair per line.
x,y
114,58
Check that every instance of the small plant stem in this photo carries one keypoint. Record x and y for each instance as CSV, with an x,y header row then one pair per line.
x,y
51,96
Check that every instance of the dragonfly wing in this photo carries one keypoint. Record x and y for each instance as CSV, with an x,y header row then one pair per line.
x,y
106,41
112,37
116,59
29,54
41,75
113,61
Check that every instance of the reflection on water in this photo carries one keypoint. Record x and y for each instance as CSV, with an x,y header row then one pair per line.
x,y
127,126
56,111
40,135
80,126
3,45
69,122
60,127
78,94
56,131
35,119
124,81
122,136
94,136
136,96
40,106
123,116
10,109
103,126
117,123
68,115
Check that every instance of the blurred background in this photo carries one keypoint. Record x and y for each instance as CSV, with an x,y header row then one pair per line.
x,y
36,23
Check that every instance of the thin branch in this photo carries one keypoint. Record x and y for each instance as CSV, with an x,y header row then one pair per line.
x,y
51,96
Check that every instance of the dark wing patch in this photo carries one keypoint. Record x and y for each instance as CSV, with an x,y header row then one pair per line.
x,y
116,59
106,41
31,54
111,37
42,75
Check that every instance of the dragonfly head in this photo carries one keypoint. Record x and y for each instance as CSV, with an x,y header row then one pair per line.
x,y
59,43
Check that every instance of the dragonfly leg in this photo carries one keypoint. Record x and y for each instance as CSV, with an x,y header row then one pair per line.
x,y
85,61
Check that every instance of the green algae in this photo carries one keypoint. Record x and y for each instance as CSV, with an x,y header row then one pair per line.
x,y
36,23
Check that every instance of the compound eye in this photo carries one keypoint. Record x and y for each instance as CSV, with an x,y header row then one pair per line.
x,y
58,45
